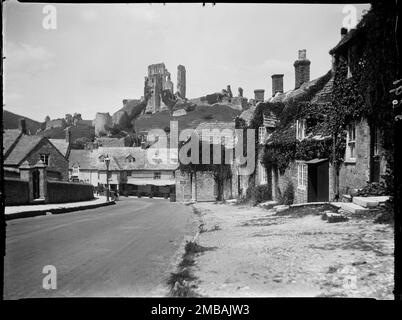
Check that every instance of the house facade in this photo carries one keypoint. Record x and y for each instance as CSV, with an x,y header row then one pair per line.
x,y
131,170
19,148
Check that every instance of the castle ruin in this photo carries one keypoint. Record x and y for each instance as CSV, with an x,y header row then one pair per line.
x,y
159,80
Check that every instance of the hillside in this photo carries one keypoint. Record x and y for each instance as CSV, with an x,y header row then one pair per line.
x,y
79,131
201,113
11,121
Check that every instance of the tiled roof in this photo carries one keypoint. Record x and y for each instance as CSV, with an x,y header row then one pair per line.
x,y
247,115
324,95
110,142
10,136
120,159
61,144
23,147
347,38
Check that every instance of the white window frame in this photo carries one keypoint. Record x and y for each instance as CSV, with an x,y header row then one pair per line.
x,y
76,171
263,174
45,157
351,143
302,172
262,131
300,129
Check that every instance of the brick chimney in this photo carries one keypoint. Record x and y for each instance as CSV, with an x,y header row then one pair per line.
x,y
259,95
302,69
68,135
344,31
22,126
277,83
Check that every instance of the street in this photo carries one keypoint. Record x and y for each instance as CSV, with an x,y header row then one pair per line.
x,y
123,250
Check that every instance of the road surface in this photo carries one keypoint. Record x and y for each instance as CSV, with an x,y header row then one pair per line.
x,y
123,250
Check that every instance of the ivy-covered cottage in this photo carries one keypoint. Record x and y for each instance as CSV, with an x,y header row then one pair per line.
x,y
294,144
360,131
330,137
201,181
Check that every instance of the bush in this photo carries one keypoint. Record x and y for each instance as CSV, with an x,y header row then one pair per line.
x,y
258,194
373,189
288,195
190,107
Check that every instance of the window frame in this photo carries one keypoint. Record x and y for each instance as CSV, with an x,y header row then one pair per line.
x,y
262,131
157,175
300,129
46,158
302,175
76,171
351,142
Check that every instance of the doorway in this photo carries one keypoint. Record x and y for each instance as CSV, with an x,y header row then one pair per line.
x,y
36,184
318,180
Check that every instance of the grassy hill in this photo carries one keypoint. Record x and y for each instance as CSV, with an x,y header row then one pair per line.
x,y
79,131
201,113
11,121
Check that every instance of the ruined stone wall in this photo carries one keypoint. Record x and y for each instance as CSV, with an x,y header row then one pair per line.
x,y
181,81
102,122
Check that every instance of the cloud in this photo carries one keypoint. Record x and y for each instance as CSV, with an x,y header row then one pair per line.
x,y
274,64
25,58
89,15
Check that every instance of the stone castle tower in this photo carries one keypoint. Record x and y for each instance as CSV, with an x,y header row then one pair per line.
x,y
158,79
181,81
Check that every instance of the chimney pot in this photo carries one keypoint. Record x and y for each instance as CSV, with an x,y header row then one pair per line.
x,y
259,95
277,83
68,135
23,126
302,69
344,31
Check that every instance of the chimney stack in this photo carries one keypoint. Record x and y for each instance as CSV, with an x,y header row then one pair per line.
x,y
277,83
259,95
68,135
344,31
302,69
23,126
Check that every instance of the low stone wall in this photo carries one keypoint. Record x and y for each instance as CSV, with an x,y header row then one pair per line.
x,y
16,191
60,191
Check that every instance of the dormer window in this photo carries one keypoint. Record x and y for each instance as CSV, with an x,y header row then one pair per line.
x,y
130,158
300,129
76,171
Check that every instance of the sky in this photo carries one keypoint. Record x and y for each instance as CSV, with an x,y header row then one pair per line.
x,y
98,55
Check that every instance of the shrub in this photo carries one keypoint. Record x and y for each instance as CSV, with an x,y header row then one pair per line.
x,y
288,195
258,194
373,189
190,107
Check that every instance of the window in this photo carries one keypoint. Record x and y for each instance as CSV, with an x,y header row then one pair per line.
x,y
128,173
262,173
157,175
45,158
261,134
130,158
376,142
351,143
76,171
302,176
300,129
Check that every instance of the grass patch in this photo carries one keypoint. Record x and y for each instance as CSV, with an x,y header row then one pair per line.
x,y
181,282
